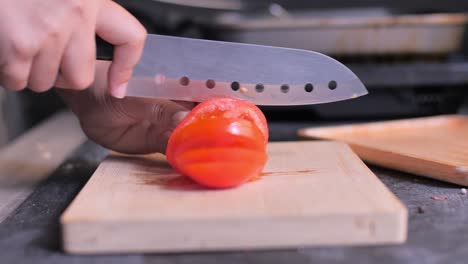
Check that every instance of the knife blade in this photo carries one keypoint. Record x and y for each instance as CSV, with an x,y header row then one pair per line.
x,y
189,69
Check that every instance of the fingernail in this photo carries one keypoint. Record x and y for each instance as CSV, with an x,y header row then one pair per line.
x,y
178,117
119,91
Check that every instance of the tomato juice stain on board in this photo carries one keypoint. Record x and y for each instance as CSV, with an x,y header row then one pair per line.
x,y
284,173
179,183
281,173
173,181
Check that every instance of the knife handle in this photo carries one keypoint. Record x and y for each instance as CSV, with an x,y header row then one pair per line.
x,y
104,50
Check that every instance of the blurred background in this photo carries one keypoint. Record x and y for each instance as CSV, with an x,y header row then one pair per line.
x,y
412,56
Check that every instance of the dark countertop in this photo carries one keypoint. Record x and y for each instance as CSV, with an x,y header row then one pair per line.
x,y
437,234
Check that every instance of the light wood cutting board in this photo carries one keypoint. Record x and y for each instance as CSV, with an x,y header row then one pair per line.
x,y
311,193
435,147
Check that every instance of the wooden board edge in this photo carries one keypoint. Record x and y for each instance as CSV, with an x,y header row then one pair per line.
x,y
81,237
416,166
64,217
399,204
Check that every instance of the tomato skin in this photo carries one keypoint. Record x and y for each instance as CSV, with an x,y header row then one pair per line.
x,y
230,108
229,155
220,144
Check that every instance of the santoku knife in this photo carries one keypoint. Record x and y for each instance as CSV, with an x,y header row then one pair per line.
x,y
195,70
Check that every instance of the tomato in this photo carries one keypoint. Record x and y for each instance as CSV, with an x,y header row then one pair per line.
x,y
220,144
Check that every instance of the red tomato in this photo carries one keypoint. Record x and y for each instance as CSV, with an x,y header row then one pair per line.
x,y
220,144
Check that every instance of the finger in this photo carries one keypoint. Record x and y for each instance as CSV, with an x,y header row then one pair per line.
x,y
127,36
97,89
14,75
79,57
45,66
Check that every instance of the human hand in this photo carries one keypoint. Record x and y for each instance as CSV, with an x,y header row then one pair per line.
x,y
52,43
129,125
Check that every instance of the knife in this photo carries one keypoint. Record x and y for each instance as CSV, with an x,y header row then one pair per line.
x,y
187,69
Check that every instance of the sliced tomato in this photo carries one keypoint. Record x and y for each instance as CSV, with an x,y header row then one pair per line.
x,y
221,174
216,132
229,108
220,144
226,154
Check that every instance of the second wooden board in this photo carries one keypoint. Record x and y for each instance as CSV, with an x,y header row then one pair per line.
x,y
435,147
311,193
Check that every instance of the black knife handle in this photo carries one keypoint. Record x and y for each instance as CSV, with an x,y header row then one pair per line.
x,y
104,50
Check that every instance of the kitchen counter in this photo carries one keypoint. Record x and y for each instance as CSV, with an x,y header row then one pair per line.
x,y
438,230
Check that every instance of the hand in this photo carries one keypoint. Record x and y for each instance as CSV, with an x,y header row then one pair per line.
x,y
40,39
129,125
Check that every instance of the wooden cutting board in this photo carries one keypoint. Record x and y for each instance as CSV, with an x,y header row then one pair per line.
x,y
311,193
435,147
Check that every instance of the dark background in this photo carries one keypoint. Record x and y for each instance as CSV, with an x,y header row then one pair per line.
x,y
391,96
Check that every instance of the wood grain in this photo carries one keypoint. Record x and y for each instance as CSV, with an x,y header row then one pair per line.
x,y
34,156
435,147
311,193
